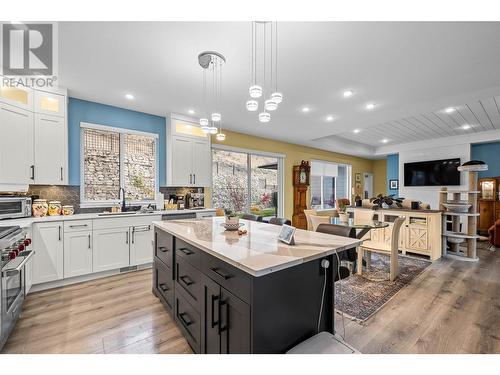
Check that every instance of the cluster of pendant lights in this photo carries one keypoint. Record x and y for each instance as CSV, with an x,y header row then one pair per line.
x,y
212,62
258,89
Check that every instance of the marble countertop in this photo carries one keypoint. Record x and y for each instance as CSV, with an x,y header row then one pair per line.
x,y
258,252
28,221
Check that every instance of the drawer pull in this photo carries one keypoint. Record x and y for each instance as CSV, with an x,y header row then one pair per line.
x,y
78,225
217,271
186,280
163,249
186,251
163,287
187,322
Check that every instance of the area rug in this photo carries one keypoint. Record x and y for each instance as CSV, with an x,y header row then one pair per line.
x,y
360,297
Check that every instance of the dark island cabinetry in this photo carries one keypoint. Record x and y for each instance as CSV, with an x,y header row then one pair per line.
x,y
223,309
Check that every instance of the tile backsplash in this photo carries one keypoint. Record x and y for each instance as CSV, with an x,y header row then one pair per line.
x,y
71,194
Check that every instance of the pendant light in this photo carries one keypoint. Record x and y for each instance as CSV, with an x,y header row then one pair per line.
x,y
259,89
212,61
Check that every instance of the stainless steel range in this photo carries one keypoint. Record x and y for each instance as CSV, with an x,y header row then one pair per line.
x,y
15,253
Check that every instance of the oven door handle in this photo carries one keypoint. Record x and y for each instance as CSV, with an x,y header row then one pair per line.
x,y
15,271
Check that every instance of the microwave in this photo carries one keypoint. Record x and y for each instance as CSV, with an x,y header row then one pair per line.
x,y
15,207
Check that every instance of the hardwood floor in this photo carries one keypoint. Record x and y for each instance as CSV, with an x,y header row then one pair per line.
x,y
453,307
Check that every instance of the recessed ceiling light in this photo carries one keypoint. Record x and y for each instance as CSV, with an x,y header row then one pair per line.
x,y
348,93
370,106
356,131
329,118
466,126
449,110
129,96
305,109
191,111
385,140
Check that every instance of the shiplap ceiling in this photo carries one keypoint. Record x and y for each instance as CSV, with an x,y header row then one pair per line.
x,y
473,117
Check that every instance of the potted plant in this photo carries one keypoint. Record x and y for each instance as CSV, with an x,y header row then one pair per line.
x,y
387,201
343,215
231,217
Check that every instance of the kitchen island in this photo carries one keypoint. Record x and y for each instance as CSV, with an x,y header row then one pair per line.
x,y
248,293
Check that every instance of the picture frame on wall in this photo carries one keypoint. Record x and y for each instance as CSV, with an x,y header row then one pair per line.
x,y
393,184
358,177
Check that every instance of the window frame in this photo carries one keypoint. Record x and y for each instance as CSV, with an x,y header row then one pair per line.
x,y
122,132
349,181
249,153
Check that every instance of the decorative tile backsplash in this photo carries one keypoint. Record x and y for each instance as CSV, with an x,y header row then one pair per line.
x,y
70,195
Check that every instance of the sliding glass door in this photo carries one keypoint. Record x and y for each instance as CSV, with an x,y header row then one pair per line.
x,y
246,182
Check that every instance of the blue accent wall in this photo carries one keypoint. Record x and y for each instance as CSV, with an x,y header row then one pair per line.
x,y
84,111
489,153
393,172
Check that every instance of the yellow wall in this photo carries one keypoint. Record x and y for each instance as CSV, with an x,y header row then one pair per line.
x,y
294,155
380,176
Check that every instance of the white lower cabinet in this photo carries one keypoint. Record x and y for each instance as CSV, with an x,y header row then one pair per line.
x,y
48,245
110,249
77,253
141,245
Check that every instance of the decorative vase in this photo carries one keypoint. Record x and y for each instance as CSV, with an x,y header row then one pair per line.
x,y
232,219
343,217
39,207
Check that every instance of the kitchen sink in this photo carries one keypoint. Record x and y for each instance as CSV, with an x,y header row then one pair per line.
x,y
117,213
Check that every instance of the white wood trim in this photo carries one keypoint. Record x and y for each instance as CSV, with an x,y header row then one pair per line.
x,y
247,151
108,128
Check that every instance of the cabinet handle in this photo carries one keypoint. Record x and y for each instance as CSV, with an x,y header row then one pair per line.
x,y
78,225
194,178
186,251
61,173
133,235
217,271
32,172
186,280
163,287
163,249
190,178
224,327
214,322
183,320
89,241
126,237
59,232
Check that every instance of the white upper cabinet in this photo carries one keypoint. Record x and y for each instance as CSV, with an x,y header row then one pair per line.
x,y
50,103
21,97
189,161
16,148
50,150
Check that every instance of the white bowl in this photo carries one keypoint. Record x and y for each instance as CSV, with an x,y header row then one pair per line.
x,y
462,208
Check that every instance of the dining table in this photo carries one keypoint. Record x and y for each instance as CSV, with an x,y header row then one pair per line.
x,y
362,226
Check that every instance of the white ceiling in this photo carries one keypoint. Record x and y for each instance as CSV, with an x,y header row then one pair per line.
x,y
411,71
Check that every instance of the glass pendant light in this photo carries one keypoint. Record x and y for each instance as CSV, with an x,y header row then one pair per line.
x,y
270,105
264,117
212,130
220,137
252,105
255,91
205,129
277,97
203,122
216,117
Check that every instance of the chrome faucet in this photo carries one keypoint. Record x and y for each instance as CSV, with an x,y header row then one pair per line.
x,y
122,190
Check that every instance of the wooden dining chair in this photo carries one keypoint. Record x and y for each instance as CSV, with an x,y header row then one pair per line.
x,y
250,217
389,247
316,220
308,214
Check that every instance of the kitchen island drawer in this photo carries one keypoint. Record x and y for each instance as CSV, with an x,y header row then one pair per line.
x,y
236,281
164,248
188,252
188,282
164,284
189,321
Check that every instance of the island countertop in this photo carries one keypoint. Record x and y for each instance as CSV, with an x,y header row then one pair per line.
x,y
258,252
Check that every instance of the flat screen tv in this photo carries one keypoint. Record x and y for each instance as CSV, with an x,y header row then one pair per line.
x,y
432,173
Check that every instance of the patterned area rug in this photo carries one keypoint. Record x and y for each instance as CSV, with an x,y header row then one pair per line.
x,y
363,296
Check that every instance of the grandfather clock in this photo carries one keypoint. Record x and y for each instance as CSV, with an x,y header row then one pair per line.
x,y
300,184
